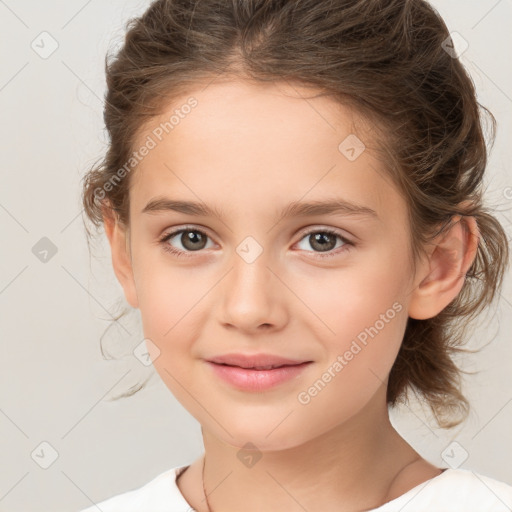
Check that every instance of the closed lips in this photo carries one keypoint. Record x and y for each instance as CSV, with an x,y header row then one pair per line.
x,y
255,361
256,372
268,367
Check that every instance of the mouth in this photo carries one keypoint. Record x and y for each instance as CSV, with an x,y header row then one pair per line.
x,y
251,377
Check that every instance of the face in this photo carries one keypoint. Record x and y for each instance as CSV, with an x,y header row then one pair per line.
x,y
326,288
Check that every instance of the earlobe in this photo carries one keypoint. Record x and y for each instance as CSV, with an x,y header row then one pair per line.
x,y
121,261
443,274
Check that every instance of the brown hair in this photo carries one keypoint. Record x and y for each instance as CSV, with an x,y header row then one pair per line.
x,y
388,59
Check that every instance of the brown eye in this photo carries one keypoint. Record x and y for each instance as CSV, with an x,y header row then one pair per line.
x,y
325,241
188,240
193,240
322,241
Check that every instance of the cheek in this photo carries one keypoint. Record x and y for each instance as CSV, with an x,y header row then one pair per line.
x,y
166,292
342,303
172,320
172,314
360,318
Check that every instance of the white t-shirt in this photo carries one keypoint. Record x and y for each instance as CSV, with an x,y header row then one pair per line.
x,y
454,490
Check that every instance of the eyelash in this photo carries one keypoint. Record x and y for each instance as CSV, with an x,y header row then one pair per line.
x,y
187,254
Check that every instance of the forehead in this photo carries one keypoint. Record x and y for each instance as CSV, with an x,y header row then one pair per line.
x,y
243,143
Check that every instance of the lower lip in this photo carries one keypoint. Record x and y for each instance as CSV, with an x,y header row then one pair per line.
x,y
256,380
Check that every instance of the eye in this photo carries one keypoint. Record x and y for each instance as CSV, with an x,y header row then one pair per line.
x,y
191,240
194,240
325,241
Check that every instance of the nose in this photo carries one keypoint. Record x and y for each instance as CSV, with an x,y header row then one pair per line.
x,y
253,298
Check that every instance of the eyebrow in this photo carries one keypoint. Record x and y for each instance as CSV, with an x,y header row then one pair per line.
x,y
295,208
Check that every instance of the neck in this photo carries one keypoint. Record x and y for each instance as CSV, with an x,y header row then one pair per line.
x,y
349,467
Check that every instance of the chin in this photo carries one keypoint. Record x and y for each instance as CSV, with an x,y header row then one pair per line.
x,y
271,435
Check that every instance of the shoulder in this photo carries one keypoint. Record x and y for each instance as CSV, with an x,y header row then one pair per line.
x,y
161,494
457,490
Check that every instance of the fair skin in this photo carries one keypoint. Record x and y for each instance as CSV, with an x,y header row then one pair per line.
x,y
248,151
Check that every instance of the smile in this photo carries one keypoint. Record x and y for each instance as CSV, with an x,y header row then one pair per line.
x,y
257,378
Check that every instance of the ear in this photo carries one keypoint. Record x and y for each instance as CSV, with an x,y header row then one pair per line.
x,y
443,273
121,260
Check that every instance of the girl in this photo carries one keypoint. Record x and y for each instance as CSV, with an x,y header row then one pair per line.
x,y
293,199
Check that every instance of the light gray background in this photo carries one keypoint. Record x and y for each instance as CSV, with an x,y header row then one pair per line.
x,y
55,385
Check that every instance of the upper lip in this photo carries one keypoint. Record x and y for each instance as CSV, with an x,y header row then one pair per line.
x,y
255,360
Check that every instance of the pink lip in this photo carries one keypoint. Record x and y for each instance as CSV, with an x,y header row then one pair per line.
x,y
256,380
